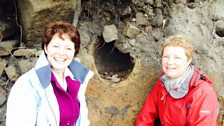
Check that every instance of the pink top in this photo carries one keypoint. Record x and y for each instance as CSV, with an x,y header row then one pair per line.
x,y
69,105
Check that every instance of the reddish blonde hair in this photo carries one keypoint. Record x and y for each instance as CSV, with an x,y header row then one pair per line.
x,y
179,41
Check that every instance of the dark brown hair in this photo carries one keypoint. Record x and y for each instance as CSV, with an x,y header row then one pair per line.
x,y
61,28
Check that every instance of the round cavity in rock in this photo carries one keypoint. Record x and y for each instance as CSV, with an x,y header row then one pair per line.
x,y
112,64
219,31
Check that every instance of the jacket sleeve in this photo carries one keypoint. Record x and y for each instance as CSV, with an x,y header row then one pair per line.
x,y
21,105
148,112
203,110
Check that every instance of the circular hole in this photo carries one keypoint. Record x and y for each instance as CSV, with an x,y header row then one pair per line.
x,y
219,31
112,64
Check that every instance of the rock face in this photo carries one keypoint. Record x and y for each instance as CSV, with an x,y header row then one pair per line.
x,y
120,42
204,24
34,14
117,103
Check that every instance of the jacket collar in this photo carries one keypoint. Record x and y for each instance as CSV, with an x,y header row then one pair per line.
x,y
43,70
183,88
195,80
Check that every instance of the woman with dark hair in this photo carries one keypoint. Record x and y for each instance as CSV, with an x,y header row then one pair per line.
x,y
52,93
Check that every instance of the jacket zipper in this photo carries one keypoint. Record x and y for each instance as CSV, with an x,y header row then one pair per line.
x,y
51,108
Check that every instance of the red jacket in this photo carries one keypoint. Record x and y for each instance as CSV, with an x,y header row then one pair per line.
x,y
199,107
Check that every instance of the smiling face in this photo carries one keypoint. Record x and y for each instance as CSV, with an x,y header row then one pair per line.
x,y
174,61
60,52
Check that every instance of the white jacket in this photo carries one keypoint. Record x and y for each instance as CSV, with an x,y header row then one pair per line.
x,y
32,101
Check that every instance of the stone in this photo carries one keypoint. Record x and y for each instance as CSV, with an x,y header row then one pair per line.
x,y
3,64
25,52
110,33
2,96
130,30
141,19
12,72
6,47
35,14
26,64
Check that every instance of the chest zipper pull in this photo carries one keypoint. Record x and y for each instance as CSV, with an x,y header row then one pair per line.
x,y
163,96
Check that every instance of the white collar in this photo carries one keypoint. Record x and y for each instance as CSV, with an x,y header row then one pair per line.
x,y
67,72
